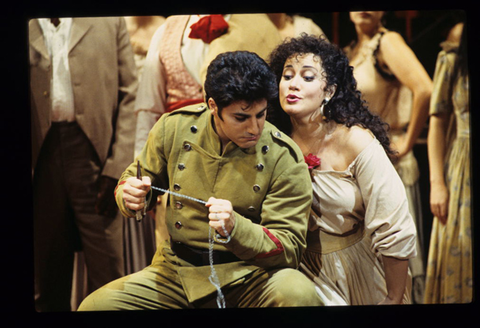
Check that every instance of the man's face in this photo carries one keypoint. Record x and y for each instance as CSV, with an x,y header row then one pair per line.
x,y
241,123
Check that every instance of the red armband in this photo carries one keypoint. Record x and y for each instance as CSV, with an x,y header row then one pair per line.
x,y
276,251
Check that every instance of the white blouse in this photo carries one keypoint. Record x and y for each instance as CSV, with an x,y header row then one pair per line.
x,y
371,191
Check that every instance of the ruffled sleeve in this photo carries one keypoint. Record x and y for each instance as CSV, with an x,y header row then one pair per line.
x,y
387,217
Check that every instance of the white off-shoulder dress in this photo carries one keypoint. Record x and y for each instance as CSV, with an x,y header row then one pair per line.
x,y
357,216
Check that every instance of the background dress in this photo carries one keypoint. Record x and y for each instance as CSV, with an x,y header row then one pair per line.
x,y
449,268
357,216
387,97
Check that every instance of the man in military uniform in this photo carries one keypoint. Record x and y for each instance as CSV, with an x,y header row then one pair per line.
x,y
242,246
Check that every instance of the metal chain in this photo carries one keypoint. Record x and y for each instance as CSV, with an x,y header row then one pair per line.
x,y
180,195
213,278
213,273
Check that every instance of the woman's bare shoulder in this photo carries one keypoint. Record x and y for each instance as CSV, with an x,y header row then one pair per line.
x,y
357,139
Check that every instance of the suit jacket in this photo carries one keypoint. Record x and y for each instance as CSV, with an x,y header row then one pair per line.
x,y
104,82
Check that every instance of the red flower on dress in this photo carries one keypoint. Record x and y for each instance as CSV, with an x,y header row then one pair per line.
x,y
312,161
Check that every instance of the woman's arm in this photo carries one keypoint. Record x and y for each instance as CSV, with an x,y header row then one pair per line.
x,y
387,217
396,272
441,108
403,63
436,156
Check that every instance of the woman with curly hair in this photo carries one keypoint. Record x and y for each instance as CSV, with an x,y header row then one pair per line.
x,y
361,233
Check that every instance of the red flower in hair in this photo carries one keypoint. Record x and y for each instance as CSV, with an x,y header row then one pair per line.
x,y
312,161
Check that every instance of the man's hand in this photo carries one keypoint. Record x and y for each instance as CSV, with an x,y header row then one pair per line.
x,y
221,211
134,192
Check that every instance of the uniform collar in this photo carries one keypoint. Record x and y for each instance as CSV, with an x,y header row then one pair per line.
x,y
214,140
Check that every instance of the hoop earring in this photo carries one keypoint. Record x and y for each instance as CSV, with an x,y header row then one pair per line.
x,y
325,101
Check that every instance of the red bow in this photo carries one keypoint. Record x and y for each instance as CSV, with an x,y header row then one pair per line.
x,y
209,28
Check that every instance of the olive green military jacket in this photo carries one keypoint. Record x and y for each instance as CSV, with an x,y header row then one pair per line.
x,y
268,185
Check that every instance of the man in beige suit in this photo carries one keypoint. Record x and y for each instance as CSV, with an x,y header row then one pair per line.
x,y
83,85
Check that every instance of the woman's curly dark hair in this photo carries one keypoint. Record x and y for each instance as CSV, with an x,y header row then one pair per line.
x,y
346,106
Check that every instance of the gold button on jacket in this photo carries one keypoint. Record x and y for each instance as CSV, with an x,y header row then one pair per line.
x,y
271,205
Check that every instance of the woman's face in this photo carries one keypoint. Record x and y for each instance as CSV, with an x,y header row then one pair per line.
x,y
302,86
366,18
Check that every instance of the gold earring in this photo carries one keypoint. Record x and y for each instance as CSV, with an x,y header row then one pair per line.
x,y
325,101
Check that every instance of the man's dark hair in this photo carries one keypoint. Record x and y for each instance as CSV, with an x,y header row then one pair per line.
x,y
239,76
